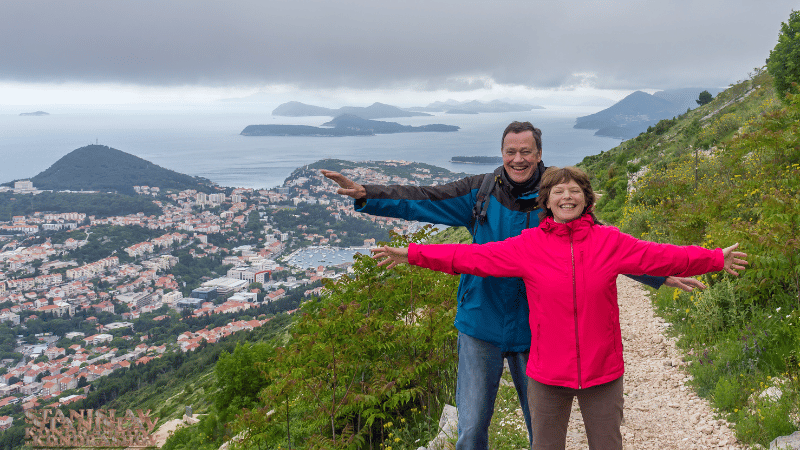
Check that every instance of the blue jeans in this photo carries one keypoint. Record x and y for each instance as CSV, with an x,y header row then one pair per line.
x,y
480,366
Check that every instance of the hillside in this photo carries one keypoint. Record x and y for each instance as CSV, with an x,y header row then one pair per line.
x,y
723,173
101,168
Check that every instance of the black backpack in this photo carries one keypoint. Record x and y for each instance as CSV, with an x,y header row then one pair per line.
x,y
484,193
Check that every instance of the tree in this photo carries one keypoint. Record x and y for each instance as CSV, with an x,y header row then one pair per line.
x,y
784,60
704,98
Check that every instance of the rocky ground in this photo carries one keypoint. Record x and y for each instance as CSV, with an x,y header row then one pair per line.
x,y
166,430
661,412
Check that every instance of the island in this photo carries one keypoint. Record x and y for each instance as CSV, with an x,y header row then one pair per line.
x,y
633,114
374,111
476,107
476,160
36,113
461,111
344,125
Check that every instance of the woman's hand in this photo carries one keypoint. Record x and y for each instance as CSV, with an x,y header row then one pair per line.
x,y
392,255
733,260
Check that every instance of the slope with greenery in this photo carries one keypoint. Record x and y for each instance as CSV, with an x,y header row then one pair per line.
x,y
379,348
370,365
783,59
726,172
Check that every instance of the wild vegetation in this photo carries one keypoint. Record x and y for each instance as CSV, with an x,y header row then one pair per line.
x,y
726,172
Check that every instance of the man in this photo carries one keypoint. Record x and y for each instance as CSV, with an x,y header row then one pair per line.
x,y
492,316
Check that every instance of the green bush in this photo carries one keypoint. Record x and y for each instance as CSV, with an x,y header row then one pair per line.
x,y
782,61
729,393
380,345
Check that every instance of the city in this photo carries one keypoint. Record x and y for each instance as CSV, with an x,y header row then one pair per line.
x,y
69,319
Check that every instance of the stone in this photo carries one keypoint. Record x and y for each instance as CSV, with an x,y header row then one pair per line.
x,y
448,428
791,442
772,393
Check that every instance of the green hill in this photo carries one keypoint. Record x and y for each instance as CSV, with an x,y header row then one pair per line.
x,y
725,172
101,168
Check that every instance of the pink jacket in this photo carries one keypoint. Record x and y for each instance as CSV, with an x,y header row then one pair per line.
x,y
570,272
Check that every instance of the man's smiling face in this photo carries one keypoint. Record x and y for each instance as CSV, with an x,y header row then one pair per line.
x,y
520,156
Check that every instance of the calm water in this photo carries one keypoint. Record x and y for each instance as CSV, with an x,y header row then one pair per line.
x,y
207,142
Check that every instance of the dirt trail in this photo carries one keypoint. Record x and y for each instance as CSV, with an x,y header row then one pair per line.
x,y
660,411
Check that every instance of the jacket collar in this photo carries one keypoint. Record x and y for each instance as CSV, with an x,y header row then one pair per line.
x,y
526,189
579,227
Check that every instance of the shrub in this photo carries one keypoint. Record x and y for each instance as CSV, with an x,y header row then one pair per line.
x,y
782,62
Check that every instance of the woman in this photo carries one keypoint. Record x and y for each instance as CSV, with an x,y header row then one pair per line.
x,y
569,265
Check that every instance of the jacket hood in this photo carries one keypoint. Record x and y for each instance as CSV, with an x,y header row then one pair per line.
x,y
579,227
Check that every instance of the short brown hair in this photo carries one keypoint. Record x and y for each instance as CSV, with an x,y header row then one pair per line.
x,y
521,127
555,175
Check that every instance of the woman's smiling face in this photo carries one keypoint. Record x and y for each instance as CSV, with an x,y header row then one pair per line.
x,y
567,201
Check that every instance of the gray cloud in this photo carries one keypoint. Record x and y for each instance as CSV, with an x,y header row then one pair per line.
x,y
445,44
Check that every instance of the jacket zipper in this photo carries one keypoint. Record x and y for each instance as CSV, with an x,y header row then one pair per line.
x,y
575,307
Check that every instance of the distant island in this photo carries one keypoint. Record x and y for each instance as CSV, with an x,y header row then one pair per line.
x,y
633,114
344,125
475,107
384,111
477,160
374,111
37,113
101,168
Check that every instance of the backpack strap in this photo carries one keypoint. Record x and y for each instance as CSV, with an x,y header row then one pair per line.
x,y
484,193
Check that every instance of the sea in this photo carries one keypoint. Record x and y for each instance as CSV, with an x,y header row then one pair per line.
x,y
206,141
315,256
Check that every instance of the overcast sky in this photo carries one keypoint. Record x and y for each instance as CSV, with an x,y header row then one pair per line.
x,y
163,50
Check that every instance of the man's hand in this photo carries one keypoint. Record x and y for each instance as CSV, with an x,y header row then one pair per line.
x,y
686,284
346,185
393,255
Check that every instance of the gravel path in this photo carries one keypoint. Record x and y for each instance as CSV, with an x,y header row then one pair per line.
x,y
660,411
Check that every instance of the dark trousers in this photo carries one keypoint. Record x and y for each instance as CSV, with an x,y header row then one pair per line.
x,y
601,408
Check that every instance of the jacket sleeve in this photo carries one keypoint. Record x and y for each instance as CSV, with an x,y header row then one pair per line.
x,y
448,204
653,282
493,259
639,257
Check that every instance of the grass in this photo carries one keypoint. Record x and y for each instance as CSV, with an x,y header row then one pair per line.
x,y
508,431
